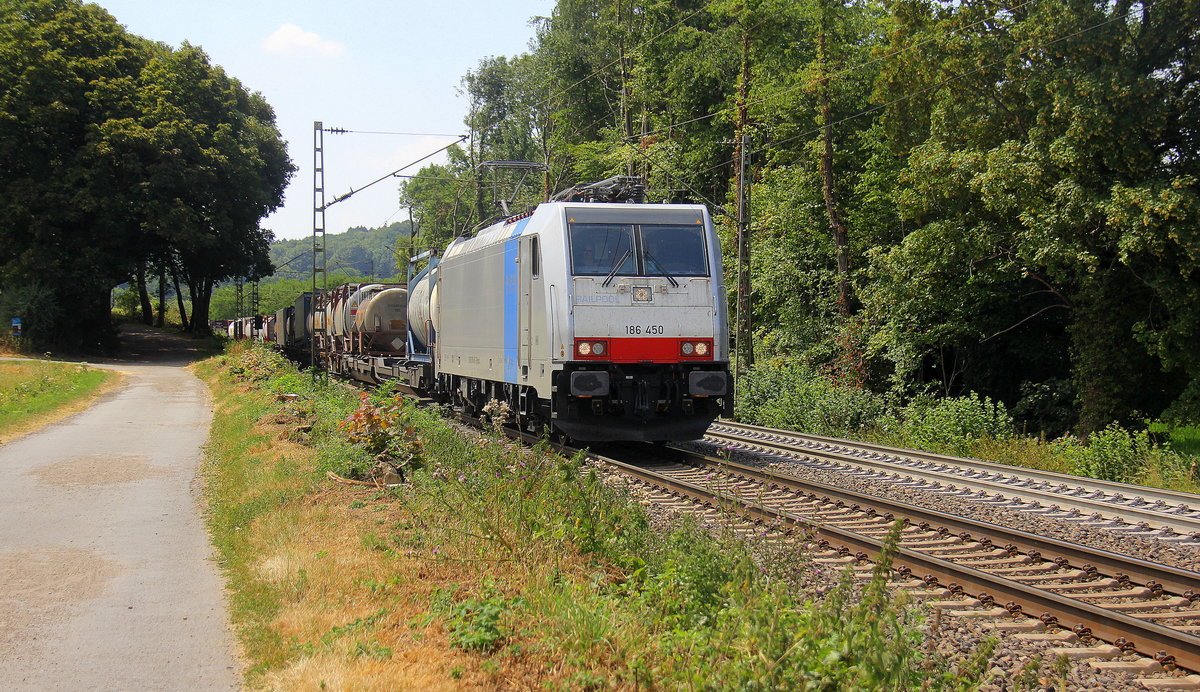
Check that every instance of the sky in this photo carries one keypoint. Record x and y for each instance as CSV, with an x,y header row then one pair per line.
x,y
383,66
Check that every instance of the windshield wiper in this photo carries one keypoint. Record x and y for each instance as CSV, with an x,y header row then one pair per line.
x,y
661,268
616,268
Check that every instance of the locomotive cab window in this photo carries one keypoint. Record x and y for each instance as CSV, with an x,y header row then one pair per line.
x,y
535,258
673,250
600,249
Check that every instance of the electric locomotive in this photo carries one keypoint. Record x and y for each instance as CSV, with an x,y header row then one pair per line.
x,y
596,314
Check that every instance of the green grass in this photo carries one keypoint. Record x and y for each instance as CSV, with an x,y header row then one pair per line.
x,y
32,389
1184,439
243,487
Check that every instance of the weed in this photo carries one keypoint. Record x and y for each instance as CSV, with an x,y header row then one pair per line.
x,y
372,541
1112,454
475,623
373,650
378,427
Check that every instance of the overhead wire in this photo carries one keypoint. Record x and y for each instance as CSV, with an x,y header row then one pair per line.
x,y
344,131
393,174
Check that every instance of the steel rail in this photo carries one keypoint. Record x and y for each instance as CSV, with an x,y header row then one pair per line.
x,y
1176,497
1144,637
1175,523
1173,579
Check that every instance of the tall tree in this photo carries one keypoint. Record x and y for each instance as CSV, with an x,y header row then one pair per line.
x,y
62,230
211,165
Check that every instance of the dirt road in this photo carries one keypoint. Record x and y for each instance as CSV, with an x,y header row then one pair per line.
x,y
106,573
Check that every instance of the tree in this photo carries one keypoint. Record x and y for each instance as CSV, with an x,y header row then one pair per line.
x,y
120,153
62,231
1054,167
211,164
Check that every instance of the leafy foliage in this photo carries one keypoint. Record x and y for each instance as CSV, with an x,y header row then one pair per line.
x,y
952,425
123,152
379,428
477,624
795,397
1111,454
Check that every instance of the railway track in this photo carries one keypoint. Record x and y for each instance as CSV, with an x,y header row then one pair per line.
x,y
1135,605
1028,582
1135,510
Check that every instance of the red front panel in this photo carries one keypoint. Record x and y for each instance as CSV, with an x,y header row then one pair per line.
x,y
638,349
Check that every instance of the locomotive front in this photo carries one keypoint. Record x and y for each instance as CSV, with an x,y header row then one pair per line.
x,y
649,349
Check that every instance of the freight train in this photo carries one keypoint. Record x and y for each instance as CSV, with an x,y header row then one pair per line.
x,y
596,314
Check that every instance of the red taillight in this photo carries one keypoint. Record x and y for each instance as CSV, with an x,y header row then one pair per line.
x,y
591,348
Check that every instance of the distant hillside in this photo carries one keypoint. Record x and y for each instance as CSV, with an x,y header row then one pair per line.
x,y
359,254
369,252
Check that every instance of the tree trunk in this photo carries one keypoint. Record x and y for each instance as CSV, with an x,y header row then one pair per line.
x,y
162,296
744,331
144,294
841,242
626,114
201,297
183,317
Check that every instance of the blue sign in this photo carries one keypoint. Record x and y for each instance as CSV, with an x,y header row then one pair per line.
x,y
16,326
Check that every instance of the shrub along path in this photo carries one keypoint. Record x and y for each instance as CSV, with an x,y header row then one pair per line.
x,y
105,581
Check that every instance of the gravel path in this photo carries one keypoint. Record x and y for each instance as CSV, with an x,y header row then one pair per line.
x,y
106,577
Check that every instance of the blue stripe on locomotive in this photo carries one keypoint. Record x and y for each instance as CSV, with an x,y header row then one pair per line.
x,y
512,303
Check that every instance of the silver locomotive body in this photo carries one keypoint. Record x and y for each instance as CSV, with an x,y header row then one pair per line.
x,y
604,321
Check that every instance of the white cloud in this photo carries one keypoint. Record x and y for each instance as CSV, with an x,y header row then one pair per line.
x,y
290,40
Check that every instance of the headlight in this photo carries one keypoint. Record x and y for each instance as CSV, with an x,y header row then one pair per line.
x,y
701,348
590,349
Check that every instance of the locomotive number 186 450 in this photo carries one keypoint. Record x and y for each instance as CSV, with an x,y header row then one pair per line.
x,y
647,329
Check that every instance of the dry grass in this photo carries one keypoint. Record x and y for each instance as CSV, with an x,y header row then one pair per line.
x,y
341,610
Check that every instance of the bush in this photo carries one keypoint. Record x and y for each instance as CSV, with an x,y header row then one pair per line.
x,y
250,363
953,425
793,396
127,304
38,308
1111,454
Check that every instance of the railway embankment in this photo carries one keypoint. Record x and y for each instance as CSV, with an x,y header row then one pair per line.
x,y
497,566
372,544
